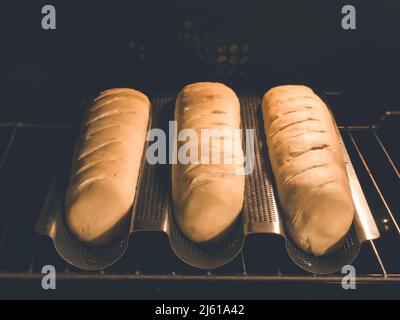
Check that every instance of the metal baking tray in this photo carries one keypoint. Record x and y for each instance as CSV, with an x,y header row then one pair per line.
x,y
364,227
156,213
153,211
51,223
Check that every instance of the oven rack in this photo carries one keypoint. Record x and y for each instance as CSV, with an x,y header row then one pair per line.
x,y
29,153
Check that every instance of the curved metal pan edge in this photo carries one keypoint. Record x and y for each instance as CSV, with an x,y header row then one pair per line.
x,y
156,212
364,229
51,223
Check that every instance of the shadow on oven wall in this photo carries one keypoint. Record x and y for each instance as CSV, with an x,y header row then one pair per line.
x,y
159,45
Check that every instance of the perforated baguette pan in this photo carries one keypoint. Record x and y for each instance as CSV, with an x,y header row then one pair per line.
x,y
156,209
153,211
364,227
51,223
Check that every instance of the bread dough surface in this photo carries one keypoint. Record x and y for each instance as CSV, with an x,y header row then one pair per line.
x,y
208,198
106,166
309,168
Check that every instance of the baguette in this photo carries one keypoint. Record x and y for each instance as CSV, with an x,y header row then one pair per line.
x,y
106,166
208,198
309,168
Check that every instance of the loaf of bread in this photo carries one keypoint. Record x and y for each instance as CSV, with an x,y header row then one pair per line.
x,y
106,166
208,197
309,168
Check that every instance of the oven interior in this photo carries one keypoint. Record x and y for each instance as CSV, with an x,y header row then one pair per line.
x,y
48,77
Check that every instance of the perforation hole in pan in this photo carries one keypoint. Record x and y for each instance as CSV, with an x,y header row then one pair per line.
x,y
153,206
328,264
75,252
208,256
70,248
260,206
200,256
323,265
259,200
334,262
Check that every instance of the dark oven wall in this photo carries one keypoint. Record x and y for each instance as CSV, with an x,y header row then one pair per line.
x,y
156,46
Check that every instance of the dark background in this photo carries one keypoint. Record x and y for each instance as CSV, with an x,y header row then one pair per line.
x,y
45,75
